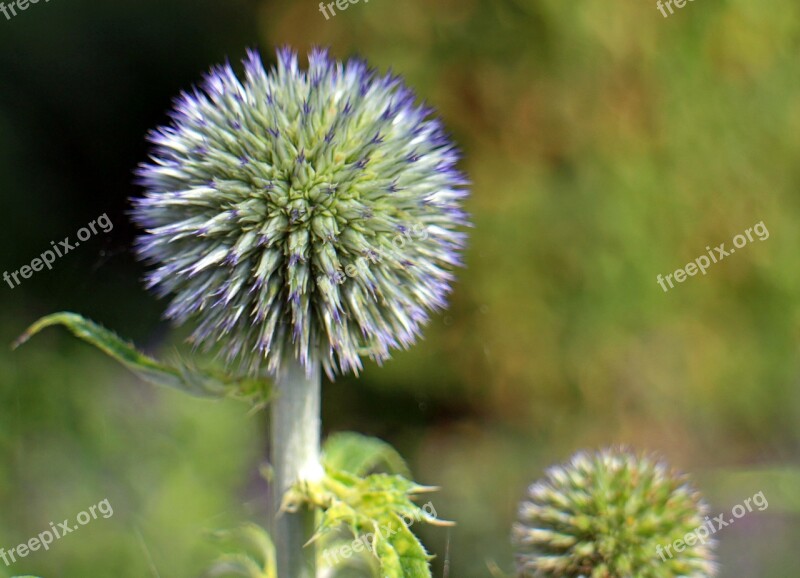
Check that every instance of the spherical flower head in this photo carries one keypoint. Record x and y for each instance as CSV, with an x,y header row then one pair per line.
x,y
612,514
312,215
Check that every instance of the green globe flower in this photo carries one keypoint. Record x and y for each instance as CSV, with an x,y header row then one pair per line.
x,y
612,514
313,215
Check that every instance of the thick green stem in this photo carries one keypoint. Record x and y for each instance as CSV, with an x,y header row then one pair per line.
x,y
295,456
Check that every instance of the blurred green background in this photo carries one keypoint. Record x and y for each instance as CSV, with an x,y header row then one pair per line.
x,y
607,145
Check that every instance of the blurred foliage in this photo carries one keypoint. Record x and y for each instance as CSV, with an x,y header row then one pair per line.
x,y
606,144
75,431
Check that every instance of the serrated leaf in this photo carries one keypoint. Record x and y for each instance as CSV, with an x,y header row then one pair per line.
x,y
375,509
389,559
360,455
413,558
182,376
399,551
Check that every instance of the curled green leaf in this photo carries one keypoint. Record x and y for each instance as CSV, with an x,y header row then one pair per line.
x,y
181,376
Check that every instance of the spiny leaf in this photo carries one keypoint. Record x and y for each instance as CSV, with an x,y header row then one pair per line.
x,y
360,455
414,560
181,376
373,512
391,566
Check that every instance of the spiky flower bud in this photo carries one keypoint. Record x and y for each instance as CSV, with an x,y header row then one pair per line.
x,y
311,214
612,514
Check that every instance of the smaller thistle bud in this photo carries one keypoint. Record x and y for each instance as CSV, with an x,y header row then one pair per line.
x,y
612,514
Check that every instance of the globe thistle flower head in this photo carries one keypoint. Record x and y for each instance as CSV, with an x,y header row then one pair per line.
x,y
611,514
308,214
